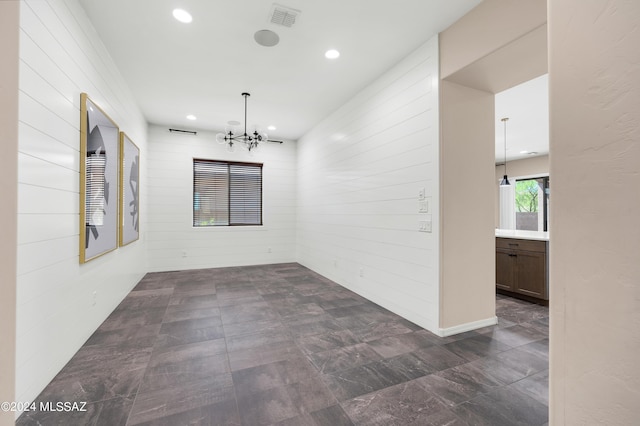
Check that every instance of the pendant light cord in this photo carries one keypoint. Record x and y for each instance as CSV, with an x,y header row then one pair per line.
x,y
504,120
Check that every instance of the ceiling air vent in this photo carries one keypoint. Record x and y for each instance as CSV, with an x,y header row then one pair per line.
x,y
282,15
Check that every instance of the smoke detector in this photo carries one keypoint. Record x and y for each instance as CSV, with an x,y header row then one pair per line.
x,y
283,16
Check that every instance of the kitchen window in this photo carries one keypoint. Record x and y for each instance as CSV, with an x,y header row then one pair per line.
x,y
532,204
226,193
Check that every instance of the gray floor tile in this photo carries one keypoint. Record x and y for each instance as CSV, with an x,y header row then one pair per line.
x,y
181,397
262,355
403,343
333,415
458,384
536,386
223,413
516,335
438,358
344,358
183,335
181,353
133,337
327,341
502,407
347,384
187,326
170,374
282,345
476,347
367,329
266,407
406,404
179,313
250,341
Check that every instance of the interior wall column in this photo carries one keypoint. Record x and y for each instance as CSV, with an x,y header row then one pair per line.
x,y
594,106
9,37
467,246
473,52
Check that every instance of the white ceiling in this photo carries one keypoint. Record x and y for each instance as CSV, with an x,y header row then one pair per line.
x,y
527,107
201,68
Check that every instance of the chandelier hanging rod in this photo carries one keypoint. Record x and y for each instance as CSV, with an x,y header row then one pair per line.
x,y
246,95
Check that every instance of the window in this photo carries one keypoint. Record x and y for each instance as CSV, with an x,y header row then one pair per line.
x,y
532,204
226,193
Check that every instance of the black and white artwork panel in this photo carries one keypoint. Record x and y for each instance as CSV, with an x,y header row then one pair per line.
x,y
100,180
130,221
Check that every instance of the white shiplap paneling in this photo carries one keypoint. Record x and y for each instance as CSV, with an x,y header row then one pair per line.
x,y
60,57
359,175
173,243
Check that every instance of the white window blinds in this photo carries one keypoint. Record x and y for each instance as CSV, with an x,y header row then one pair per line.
x,y
226,193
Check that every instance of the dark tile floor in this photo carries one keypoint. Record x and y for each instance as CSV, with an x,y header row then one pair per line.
x,y
281,345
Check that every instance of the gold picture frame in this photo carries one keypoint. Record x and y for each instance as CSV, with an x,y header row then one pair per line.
x,y
99,158
129,221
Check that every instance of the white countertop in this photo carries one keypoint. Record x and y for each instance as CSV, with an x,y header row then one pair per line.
x,y
522,235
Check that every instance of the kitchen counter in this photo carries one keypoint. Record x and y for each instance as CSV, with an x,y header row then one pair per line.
x,y
522,235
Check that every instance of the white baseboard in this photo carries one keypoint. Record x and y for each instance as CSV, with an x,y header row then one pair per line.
x,y
457,329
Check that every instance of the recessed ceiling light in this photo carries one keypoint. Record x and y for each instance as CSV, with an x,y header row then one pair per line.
x,y
233,123
182,15
191,117
332,54
524,152
272,128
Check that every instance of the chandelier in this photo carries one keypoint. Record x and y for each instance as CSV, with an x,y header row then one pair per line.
x,y
249,140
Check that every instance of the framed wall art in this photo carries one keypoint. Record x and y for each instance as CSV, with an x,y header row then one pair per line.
x,y
129,191
99,145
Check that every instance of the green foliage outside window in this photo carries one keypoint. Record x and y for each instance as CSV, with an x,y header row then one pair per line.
x,y
527,195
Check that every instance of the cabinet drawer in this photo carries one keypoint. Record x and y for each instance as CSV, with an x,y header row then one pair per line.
x,y
518,244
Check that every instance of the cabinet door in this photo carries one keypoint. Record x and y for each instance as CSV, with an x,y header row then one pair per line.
x,y
531,277
505,269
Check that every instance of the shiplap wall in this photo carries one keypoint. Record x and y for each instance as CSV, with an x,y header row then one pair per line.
x,y
60,57
359,175
173,242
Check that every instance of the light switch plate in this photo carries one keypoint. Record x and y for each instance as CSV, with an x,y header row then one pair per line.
x,y
426,224
421,194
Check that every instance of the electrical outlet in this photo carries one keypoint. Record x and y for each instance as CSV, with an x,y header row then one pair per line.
x,y
361,272
184,253
94,299
269,250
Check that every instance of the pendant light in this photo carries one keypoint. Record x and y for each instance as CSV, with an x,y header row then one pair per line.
x,y
505,180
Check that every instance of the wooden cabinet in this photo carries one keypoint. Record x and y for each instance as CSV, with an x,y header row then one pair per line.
x,y
521,268
505,269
